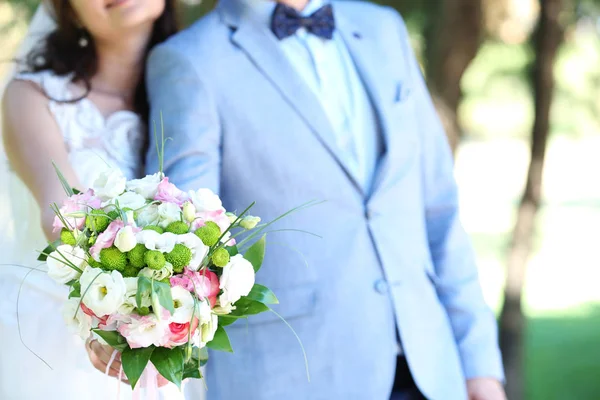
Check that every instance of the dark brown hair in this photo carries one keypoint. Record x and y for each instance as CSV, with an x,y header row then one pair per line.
x,y
62,53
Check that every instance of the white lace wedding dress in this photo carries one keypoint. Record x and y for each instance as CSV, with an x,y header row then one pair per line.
x,y
92,142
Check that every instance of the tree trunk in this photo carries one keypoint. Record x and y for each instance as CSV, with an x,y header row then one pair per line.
x,y
453,39
548,39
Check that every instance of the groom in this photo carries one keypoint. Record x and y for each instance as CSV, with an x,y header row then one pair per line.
x,y
282,103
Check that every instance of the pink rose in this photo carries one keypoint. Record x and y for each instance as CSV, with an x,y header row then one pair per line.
x,y
204,283
180,333
168,193
82,202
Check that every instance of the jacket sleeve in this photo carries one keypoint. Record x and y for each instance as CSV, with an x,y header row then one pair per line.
x,y
457,282
182,108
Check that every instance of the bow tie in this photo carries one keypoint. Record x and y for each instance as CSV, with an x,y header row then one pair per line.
x,y
286,21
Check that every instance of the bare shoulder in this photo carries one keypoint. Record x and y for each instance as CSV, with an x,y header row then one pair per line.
x,y
24,104
20,92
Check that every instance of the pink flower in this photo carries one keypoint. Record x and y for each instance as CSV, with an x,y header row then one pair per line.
x,y
82,202
106,238
180,333
204,283
168,193
147,330
101,321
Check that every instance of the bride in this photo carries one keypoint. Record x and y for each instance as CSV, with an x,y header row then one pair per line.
x,y
79,102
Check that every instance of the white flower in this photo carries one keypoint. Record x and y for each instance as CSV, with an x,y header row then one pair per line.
x,y
189,211
146,331
208,324
199,249
148,216
125,239
205,200
223,309
130,303
104,292
146,187
158,275
60,263
129,200
184,305
237,280
110,184
76,320
168,212
155,241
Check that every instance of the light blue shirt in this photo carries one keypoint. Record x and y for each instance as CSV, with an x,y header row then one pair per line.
x,y
328,69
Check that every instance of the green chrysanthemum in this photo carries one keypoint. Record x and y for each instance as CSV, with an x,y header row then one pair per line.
x,y
155,259
209,233
94,264
136,256
220,257
67,237
114,214
130,271
179,257
113,259
97,221
154,228
178,228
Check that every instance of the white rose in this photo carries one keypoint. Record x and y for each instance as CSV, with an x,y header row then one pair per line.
x,y
205,200
184,305
104,292
60,263
189,212
148,216
76,320
158,275
168,212
129,200
165,243
130,303
237,280
208,324
125,239
110,184
146,187
199,249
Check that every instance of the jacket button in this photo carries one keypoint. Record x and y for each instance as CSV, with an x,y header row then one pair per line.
x,y
381,286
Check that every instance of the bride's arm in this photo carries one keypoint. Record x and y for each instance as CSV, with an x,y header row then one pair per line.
x,y
32,140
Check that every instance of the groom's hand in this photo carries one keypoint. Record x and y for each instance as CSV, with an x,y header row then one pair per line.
x,y
485,389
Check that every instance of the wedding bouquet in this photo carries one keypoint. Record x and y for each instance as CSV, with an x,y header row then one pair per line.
x,y
156,272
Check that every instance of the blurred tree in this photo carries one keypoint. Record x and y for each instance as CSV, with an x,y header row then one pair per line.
x,y
547,40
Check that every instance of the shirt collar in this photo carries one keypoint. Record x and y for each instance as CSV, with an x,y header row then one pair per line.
x,y
261,11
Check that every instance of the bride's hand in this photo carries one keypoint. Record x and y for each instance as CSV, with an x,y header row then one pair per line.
x,y
100,356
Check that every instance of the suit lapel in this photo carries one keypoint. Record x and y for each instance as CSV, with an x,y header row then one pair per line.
x,y
262,47
367,61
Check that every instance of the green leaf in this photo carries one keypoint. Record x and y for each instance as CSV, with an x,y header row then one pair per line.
x,y
225,320
245,307
169,363
76,191
113,338
75,289
134,362
63,181
221,341
263,295
51,247
256,253
163,293
232,250
144,289
191,368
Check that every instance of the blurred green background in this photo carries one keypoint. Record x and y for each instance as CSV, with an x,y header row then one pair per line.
x,y
480,60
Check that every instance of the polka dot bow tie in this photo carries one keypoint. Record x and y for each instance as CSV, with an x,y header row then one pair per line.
x,y
286,21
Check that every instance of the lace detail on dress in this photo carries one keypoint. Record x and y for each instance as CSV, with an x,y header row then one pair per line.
x,y
92,140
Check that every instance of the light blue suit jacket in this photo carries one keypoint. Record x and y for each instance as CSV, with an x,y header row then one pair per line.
x,y
395,262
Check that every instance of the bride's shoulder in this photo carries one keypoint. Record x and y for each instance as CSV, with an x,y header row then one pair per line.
x,y
47,83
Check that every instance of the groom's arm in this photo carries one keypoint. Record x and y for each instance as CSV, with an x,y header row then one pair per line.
x,y
457,281
190,120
